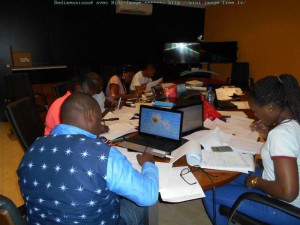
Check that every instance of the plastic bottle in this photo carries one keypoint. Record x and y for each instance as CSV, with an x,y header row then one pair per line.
x,y
210,97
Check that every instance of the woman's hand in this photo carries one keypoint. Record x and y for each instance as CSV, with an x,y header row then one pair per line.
x,y
249,181
261,128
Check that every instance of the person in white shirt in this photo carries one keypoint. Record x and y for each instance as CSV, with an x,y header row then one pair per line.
x,y
275,101
141,78
99,95
116,87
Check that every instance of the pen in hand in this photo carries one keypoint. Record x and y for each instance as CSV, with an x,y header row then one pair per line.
x,y
145,150
110,119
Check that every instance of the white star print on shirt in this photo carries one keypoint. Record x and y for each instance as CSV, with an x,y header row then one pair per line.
x,y
80,189
103,222
84,154
42,215
90,173
98,143
44,166
42,149
57,219
35,183
83,216
36,209
40,200
63,188
54,150
99,210
57,168
91,203
73,204
68,136
98,191
56,203
102,157
68,151
72,170
30,165
48,185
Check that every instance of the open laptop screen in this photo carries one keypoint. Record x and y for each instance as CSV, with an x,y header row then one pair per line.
x,y
193,118
160,122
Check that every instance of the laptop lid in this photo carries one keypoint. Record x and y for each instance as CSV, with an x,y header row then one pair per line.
x,y
160,122
192,117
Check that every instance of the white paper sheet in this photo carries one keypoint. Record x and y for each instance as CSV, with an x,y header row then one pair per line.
x,y
118,130
152,84
177,190
224,93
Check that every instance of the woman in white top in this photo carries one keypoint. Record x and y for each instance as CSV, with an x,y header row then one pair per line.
x,y
275,101
116,87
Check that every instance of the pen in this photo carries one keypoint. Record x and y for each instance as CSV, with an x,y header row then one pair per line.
x,y
110,119
119,103
123,138
145,150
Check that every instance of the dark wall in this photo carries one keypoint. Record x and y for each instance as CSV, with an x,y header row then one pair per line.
x,y
92,35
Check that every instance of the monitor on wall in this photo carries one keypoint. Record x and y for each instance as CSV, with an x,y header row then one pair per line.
x,y
200,52
181,52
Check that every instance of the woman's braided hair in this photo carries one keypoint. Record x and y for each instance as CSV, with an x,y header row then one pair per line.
x,y
283,90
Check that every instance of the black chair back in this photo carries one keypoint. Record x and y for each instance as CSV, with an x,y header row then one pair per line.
x,y
60,90
240,75
9,212
25,121
18,86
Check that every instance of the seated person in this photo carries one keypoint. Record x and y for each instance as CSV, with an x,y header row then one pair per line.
x,y
275,101
116,87
141,78
73,177
84,83
99,95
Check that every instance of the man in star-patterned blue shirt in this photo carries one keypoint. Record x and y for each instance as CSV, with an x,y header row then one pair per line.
x,y
72,177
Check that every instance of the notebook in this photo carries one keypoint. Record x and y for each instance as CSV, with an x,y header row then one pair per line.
x,y
159,129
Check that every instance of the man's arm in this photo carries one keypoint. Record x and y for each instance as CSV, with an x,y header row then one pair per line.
x,y
123,179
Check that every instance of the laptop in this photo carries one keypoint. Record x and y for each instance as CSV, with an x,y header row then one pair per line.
x,y
160,129
192,117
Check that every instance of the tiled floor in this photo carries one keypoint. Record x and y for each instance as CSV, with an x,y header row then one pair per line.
x,y
186,213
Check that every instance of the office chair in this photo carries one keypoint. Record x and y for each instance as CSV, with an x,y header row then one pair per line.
x,y
240,76
19,86
241,218
10,213
25,121
60,89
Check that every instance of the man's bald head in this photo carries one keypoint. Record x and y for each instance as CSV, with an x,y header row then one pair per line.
x,y
81,110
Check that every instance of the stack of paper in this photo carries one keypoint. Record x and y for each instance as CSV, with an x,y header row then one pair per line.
x,y
228,161
216,137
171,186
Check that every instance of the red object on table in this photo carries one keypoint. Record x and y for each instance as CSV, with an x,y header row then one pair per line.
x,y
209,110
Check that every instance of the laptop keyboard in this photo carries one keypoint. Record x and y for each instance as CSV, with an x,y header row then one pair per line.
x,y
160,144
